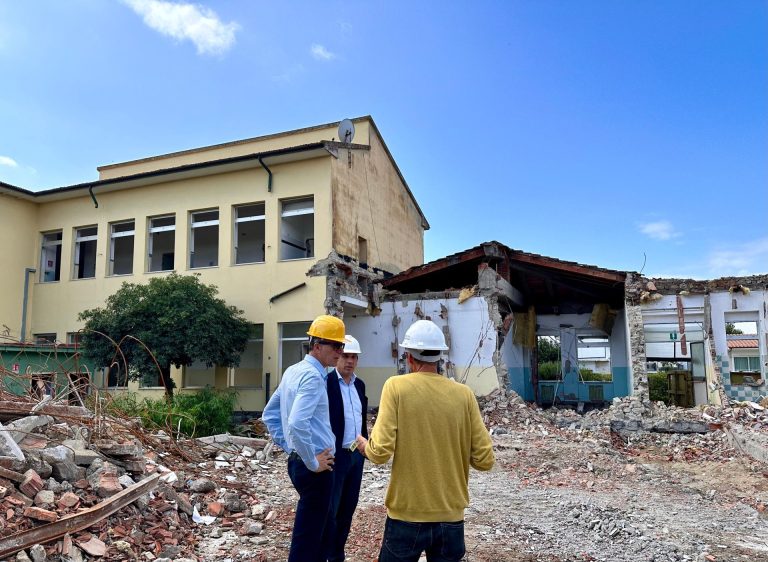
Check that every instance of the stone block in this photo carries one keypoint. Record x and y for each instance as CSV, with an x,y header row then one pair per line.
x,y
85,457
67,500
68,470
21,427
44,497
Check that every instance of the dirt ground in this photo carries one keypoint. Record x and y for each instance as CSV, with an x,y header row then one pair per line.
x,y
564,494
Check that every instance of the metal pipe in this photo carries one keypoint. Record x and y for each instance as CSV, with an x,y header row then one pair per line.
x,y
269,181
278,295
90,190
27,271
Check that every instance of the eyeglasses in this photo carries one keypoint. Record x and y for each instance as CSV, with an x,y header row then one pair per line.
x,y
338,346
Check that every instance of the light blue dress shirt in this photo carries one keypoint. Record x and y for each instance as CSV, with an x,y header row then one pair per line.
x,y
297,413
352,410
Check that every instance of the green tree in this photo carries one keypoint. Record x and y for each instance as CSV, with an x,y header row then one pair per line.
x,y
549,349
178,318
731,329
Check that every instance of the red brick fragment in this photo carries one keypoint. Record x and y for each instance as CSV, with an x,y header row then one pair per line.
x,y
215,508
68,499
31,484
41,514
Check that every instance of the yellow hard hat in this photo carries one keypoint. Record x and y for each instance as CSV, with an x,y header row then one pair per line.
x,y
328,328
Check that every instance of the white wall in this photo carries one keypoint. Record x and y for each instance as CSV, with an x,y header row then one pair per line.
x,y
472,340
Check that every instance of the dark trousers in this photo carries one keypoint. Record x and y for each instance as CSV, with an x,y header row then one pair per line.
x,y
314,490
347,475
405,541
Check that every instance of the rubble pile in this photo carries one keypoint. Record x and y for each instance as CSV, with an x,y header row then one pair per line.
x,y
77,487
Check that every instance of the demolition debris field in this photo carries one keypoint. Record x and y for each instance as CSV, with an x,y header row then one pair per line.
x,y
636,482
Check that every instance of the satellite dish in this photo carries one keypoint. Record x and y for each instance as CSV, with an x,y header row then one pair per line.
x,y
346,131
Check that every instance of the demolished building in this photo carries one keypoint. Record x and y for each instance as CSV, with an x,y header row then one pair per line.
x,y
612,328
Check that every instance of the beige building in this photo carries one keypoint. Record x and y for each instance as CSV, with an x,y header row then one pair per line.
x,y
287,226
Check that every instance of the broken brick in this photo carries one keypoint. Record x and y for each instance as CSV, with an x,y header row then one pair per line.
x,y
215,508
31,484
41,514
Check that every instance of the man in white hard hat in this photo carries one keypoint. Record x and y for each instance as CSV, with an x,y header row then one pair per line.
x,y
297,418
432,427
348,406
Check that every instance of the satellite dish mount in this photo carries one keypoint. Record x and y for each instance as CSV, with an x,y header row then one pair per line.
x,y
346,131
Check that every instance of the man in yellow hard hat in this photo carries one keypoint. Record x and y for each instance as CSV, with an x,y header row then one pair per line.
x,y
298,421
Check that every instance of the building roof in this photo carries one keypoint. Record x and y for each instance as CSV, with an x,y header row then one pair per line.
x,y
234,163
742,344
552,285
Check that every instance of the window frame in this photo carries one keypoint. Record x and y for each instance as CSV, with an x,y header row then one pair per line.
x,y
77,254
113,235
289,213
231,372
202,224
51,244
237,220
151,230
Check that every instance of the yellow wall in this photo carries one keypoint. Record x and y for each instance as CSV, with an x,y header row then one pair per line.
x,y
238,148
371,201
247,286
19,234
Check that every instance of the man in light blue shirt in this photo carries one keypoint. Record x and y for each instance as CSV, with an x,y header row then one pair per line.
x,y
298,421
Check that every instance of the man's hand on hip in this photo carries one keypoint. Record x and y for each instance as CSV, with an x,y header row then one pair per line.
x,y
324,460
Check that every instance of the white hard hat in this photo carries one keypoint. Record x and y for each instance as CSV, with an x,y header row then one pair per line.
x,y
351,345
424,335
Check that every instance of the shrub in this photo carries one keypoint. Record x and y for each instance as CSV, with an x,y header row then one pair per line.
x,y
549,371
590,375
658,387
198,414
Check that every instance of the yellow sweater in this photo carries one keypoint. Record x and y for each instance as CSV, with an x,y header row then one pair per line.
x,y
432,426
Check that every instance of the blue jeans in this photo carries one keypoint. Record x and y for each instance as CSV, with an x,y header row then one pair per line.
x,y
348,474
405,541
314,490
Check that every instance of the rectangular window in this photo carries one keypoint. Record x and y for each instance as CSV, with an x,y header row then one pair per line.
x,y
73,338
121,248
153,380
249,373
50,257
162,240
45,339
198,375
204,239
750,363
297,229
294,343
85,252
249,233
594,359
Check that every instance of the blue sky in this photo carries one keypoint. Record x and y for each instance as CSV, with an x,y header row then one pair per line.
x,y
626,134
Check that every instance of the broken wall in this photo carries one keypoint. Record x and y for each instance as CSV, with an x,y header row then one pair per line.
x,y
470,334
712,304
371,201
518,359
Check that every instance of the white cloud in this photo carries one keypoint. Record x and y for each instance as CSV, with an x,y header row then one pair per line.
x,y
659,230
745,258
8,161
321,53
183,21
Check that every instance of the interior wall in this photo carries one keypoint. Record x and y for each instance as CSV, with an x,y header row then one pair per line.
x,y
472,340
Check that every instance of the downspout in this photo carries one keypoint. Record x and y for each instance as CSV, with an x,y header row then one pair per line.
x,y
27,271
95,203
269,181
